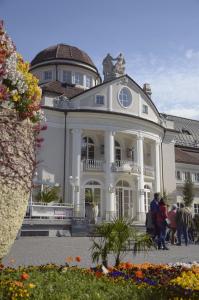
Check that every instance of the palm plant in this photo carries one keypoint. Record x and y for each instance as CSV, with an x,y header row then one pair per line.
x,y
123,234
49,194
102,245
115,237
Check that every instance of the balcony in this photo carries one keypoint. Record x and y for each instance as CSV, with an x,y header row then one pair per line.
x,y
125,166
149,171
93,165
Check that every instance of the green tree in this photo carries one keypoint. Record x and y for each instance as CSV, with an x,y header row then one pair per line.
x,y
188,192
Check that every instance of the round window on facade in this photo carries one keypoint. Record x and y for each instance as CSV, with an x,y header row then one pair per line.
x,y
125,97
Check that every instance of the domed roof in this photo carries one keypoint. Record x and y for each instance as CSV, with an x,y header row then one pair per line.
x,y
62,52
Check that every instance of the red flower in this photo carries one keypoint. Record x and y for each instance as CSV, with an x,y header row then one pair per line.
x,y
25,276
78,258
98,274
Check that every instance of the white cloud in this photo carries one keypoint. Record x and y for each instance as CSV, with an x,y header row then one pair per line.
x,y
191,54
174,82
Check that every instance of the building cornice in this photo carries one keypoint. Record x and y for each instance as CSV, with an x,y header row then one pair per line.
x,y
105,112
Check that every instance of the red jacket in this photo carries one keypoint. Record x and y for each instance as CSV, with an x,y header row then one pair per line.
x,y
162,214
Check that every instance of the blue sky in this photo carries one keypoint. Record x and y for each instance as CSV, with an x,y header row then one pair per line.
x,y
159,39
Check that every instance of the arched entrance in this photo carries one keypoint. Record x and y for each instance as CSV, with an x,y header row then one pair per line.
x,y
92,194
147,197
124,199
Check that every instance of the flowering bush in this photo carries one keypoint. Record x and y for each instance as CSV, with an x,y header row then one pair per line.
x,y
127,281
20,117
18,88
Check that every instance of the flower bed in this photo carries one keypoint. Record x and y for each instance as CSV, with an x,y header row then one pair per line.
x,y
128,281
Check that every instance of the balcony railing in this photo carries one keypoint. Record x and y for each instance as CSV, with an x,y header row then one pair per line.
x,y
125,166
149,171
93,165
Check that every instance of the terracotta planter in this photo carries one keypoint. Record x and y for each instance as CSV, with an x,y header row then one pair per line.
x,y
17,161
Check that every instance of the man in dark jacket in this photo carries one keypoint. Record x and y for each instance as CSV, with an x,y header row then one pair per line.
x,y
154,208
183,221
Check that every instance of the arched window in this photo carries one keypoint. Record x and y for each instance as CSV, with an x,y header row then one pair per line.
x,y
123,183
117,151
88,148
92,194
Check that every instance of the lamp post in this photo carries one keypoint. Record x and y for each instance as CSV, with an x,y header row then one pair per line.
x,y
74,182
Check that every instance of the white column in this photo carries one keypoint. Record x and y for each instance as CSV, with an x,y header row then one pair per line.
x,y
110,195
140,199
157,167
76,167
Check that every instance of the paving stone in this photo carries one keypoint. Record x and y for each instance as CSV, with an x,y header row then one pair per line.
x,y
43,250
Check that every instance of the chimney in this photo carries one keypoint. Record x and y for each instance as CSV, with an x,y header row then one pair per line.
x,y
147,89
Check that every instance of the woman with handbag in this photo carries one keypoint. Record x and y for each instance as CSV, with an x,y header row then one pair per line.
x,y
162,222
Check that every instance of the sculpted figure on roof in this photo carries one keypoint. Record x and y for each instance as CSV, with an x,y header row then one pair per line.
x,y
111,70
108,65
120,65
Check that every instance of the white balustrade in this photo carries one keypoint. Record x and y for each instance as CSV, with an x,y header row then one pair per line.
x,y
149,171
92,164
125,166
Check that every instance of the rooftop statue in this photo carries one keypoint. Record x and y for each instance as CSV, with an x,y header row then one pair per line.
x,y
111,70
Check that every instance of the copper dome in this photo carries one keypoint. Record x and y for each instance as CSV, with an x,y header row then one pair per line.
x,y
62,52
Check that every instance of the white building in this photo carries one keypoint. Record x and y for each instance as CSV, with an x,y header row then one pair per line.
x,y
109,138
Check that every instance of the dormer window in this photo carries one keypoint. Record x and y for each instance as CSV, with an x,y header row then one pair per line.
x,y
78,78
48,75
88,81
67,76
185,131
99,99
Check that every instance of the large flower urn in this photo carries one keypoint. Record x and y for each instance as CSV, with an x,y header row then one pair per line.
x,y
17,162
95,213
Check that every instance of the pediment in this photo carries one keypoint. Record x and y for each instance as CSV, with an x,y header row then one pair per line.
x,y
113,96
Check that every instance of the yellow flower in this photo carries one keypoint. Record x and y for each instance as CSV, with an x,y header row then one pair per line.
x,y
32,285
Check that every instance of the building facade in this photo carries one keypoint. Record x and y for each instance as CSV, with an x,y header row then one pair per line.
x,y
106,140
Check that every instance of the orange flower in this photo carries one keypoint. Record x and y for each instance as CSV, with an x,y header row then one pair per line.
x,y
122,265
139,274
78,258
128,265
69,259
24,276
18,283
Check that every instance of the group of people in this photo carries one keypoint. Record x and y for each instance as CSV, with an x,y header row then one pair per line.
x,y
162,224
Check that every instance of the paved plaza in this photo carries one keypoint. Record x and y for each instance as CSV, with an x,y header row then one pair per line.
x,y
43,250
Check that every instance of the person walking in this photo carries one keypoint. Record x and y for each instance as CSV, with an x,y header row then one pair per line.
x,y
172,223
162,217
183,221
154,208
